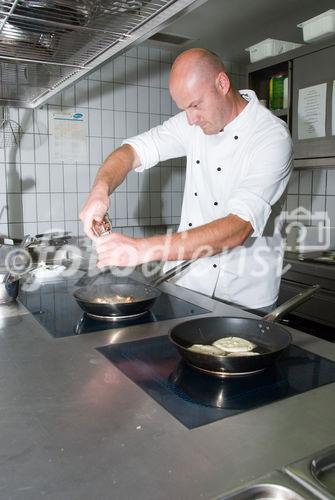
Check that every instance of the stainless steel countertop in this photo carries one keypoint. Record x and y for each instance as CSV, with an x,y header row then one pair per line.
x,y
309,272
72,426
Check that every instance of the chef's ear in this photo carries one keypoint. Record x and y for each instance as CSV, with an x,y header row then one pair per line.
x,y
223,83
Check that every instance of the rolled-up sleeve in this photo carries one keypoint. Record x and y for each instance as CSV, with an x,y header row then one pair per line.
x,y
163,142
265,181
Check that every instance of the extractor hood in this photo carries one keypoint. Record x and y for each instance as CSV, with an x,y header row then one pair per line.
x,y
47,45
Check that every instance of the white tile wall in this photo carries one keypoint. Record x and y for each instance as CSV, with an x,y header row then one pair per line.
x,y
43,207
56,179
314,190
319,182
43,178
57,207
123,98
29,207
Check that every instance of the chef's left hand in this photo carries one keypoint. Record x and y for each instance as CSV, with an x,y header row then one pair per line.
x,y
118,250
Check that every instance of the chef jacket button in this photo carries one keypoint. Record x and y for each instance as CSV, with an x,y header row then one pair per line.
x,y
235,137
215,203
219,169
190,224
198,161
195,194
214,265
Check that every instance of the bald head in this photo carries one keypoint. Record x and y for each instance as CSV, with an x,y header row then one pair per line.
x,y
199,64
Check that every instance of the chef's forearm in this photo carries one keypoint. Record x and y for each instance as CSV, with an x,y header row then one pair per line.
x,y
114,169
209,239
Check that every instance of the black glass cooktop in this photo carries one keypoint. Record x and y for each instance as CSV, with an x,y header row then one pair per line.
x,y
197,399
54,306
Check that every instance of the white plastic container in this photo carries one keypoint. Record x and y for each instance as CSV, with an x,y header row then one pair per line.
x,y
270,48
319,27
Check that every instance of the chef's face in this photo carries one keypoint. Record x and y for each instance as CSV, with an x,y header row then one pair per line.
x,y
204,102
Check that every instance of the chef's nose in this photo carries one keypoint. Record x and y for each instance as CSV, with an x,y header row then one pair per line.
x,y
191,117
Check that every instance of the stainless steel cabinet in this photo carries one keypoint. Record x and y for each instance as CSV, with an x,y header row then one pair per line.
x,y
308,70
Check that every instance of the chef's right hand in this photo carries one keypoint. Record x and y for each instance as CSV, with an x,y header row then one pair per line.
x,y
94,210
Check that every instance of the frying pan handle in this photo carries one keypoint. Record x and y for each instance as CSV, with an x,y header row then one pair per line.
x,y
291,304
172,272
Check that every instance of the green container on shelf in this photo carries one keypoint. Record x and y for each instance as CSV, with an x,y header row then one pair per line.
x,y
276,90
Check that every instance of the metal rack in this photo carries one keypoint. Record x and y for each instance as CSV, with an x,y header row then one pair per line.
x,y
46,45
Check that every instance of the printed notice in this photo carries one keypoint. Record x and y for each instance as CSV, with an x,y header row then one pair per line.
x,y
68,141
333,109
312,112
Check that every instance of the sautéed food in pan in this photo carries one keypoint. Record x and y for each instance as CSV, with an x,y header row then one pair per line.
x,y
113,299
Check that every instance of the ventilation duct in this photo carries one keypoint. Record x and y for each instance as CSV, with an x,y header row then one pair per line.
x,y
47,45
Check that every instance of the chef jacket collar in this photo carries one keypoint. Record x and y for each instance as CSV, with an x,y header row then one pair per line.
x,y
242,120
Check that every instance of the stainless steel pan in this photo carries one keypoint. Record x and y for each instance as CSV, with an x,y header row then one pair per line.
x,y
271,339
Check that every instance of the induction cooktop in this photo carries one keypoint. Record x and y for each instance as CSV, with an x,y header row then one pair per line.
x,y
54,306
196,399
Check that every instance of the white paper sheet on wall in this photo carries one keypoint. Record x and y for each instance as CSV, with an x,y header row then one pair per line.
x,y
333,109
312,112
68,141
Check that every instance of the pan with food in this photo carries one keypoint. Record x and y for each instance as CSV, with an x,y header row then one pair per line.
x,y
224,346
115,300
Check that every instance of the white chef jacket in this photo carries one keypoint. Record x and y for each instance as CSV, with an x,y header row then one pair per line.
x,y
243,170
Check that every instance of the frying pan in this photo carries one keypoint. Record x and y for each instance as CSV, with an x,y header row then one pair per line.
x,y
271,339
143,296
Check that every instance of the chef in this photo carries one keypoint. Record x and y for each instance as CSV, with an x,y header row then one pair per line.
x,y
238,166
